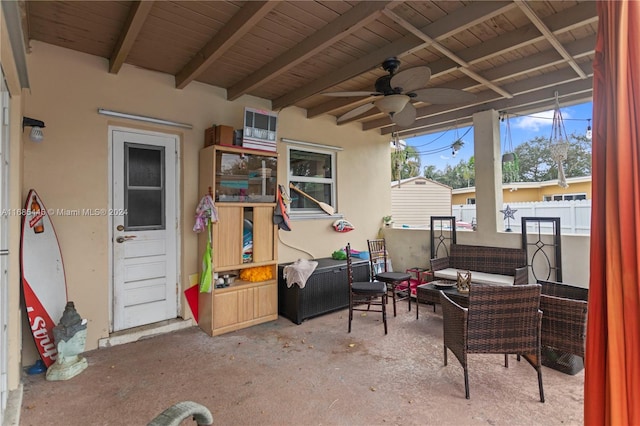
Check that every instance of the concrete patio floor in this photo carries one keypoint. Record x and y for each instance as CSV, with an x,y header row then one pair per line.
x,y
315,373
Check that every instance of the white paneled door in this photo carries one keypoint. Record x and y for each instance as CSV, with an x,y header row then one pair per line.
x,y
144,221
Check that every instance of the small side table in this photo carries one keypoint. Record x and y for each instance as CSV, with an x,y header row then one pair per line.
x,y
419,276
425,296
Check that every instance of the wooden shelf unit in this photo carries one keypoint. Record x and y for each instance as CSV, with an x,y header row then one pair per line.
x,y
243,303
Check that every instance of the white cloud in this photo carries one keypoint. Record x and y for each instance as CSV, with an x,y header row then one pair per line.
x,y
444,157
535,122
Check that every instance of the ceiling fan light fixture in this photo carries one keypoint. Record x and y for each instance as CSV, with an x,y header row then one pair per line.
x,y
391,104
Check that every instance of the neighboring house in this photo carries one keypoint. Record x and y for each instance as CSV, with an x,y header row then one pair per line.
x,y
518,192
415,200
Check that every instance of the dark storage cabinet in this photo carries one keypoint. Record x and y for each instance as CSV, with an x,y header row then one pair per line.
x,y
326,290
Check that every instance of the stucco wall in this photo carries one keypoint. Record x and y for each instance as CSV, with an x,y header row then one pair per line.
x,y
363,169
69,169
412,248
13,306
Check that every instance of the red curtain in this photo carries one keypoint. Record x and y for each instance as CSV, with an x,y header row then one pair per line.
x,y
612,361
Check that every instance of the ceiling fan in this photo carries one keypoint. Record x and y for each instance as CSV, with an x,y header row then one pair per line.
x,y
396,91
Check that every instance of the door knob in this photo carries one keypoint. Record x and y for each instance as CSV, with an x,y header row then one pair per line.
x,y
125,238
120,227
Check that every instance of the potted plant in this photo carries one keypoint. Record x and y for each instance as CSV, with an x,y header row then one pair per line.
x,y
387,220
455,147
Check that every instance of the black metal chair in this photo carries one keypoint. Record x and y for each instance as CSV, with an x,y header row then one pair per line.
x,y
398,283
365,293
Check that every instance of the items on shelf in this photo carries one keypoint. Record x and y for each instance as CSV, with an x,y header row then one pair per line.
x,y
247,242
257,274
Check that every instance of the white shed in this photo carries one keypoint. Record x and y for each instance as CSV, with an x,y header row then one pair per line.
x,y
415,200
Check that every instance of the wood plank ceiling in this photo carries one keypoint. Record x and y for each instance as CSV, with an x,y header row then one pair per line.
x,y
513,55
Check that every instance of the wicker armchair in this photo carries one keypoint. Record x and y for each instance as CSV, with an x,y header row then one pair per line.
x,y
564,325
500,320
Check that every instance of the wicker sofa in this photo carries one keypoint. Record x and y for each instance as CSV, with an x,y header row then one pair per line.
x,y
488,265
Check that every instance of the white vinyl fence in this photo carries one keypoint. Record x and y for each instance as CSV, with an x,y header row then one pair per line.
x,y
575,216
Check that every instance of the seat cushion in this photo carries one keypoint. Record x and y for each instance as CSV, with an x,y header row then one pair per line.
x,y
393,276
367,287
476,277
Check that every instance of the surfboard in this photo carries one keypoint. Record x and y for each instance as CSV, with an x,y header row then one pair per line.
x,y
43,279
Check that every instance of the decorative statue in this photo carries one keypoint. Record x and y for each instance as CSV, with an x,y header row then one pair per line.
x,y
70,336
464,281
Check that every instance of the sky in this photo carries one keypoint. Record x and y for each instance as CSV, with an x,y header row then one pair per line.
x,y
435,149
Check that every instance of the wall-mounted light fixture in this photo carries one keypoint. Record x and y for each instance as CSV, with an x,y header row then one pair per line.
x,y
36,134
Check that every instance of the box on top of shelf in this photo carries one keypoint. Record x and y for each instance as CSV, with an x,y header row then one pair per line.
x,y
219,135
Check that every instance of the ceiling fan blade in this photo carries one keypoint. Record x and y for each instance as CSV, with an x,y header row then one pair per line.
x,y
351,94
406,117
441,96
356,112
411,79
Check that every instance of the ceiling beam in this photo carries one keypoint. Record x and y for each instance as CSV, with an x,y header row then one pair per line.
x,y
136,19
466,17
459,20
561,22
237,27
538,61
544,94
333,105
464,118
354,19
548,34
566,20
464,65
401,47
517,88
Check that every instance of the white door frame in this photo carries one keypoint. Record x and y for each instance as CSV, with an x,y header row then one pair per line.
x,y
110,225
4,246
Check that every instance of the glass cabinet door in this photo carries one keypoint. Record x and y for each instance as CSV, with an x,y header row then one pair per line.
x,y
245,178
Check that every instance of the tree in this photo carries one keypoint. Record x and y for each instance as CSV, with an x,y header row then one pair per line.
x,y
461,175
430,172
536,164
510,168
468,171
405,163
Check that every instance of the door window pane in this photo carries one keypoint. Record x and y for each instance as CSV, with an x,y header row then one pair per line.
x,y
144,187
146,167
144,208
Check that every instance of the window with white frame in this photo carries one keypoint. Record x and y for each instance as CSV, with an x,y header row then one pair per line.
x,y
312,171
565,197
